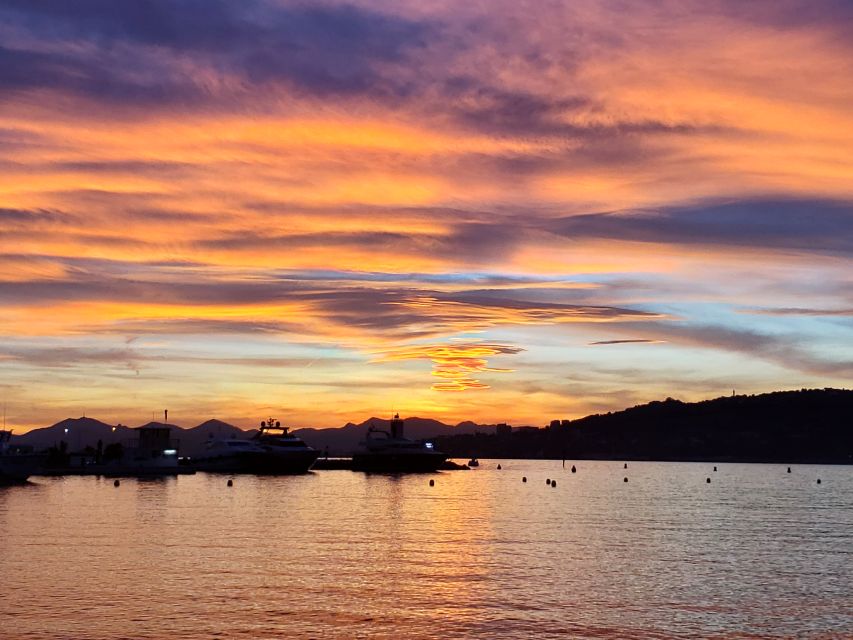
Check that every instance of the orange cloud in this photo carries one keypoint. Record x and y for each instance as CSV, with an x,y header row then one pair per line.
x,y
455,363
413,182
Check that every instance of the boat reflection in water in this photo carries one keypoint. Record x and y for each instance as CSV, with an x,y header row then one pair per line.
x,y
390,451
271,451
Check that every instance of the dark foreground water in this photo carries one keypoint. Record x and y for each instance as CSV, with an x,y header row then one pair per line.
x,y
757,553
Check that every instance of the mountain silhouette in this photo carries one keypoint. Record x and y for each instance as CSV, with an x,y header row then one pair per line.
x,y
194,441
80,433
786,426
341,441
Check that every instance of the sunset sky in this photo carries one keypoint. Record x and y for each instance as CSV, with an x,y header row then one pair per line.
x,y
500,211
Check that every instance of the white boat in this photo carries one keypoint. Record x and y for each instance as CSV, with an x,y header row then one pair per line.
x,y
272,450
391,451
16,465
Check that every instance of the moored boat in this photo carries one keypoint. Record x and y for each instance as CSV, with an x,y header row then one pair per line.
x,y
16,464
390,451
272,450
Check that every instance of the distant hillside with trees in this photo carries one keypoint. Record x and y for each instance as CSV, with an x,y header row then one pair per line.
x,y
812,425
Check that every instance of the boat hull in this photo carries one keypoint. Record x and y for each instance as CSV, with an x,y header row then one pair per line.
x,y
15,469
398,462
267,463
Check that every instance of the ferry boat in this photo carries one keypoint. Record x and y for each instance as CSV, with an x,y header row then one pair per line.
x,y
272,450
391,451
16,465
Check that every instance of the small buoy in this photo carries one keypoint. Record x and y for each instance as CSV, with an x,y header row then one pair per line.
x,y
499,466
524,478
573,469
625,480
553,483
708,480
230,483
789,469
715,468
432,483
818,480
626,466
116,483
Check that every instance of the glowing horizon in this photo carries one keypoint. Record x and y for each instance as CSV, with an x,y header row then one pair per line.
x,y
328,210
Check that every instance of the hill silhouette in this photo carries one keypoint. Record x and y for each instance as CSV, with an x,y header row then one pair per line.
x,y
785,426
77,432
193,441
82,432
342,440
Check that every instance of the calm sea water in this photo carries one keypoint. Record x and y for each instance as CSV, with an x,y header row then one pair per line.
x,y
334,554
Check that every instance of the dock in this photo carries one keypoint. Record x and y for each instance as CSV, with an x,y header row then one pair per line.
x,y
114,471
332,464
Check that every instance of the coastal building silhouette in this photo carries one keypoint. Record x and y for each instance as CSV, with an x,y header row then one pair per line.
x,y
153,441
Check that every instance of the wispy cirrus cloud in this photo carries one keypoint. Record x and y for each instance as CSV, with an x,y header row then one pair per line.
x,y
360,318
801,311
172,53
797,225
135,357
599,343
790,350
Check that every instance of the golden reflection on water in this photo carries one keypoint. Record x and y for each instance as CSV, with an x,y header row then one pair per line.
x,y
342,555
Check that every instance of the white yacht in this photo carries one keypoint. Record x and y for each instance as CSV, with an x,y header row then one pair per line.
x,y
16,465
391,451
272,450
